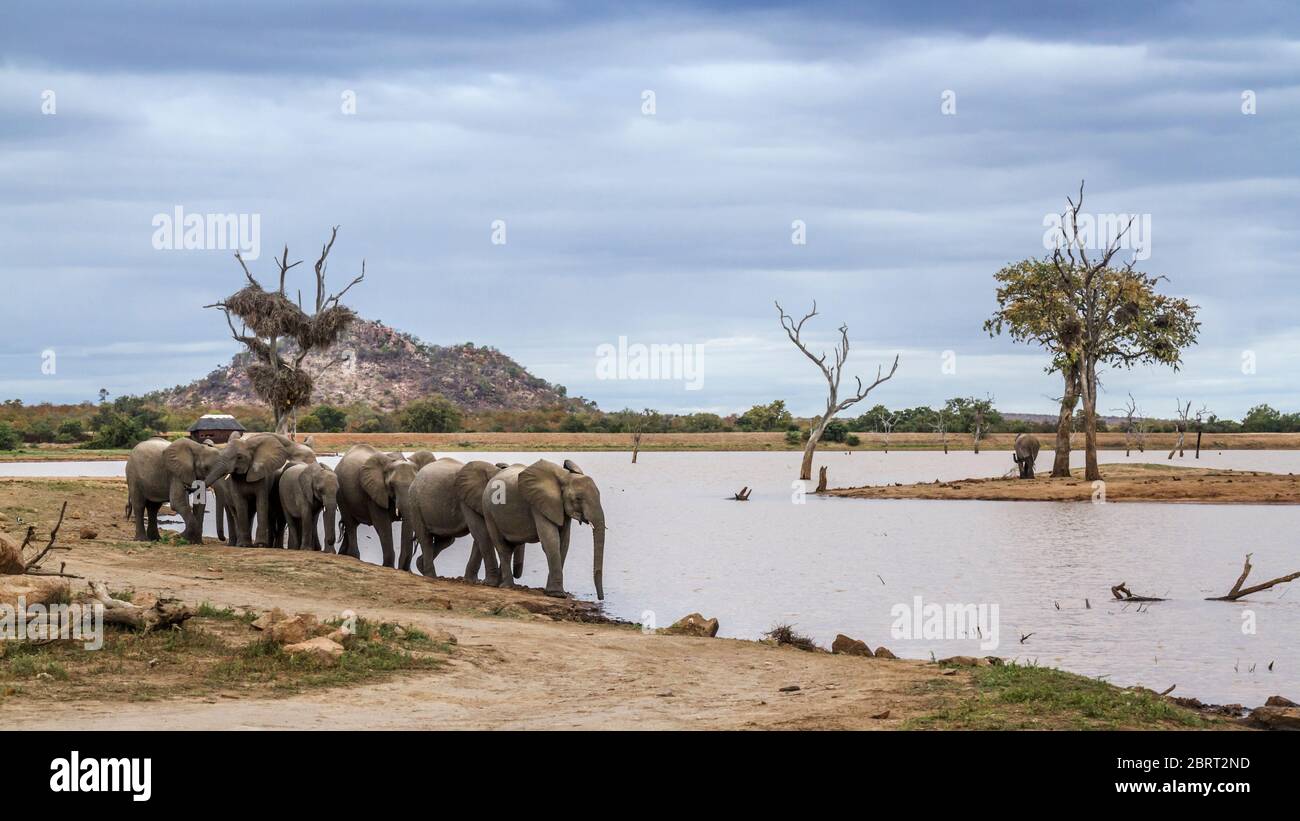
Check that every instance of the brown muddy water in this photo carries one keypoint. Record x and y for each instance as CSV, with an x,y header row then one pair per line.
x,y
678,544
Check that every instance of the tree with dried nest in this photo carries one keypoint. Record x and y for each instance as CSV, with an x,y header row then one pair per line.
x,y
279,333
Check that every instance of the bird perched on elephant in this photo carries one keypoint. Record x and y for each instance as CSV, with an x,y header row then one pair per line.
x,y
446,503
1026,453
253,462
306,492
159,471
373,490
538,503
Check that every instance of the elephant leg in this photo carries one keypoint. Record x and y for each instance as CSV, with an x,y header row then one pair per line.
x,y
350,537
180,502
566,530
295,535
474,563
517,565
310,538
384,528
407,559
504,551
150,513
232,533
440,543
550,537
483,545
137,508
243,521
263,515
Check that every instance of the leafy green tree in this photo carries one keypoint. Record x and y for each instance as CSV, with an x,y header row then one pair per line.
x,y
40,430
772,416
433,415
1089,316
71,430
9,438
1262,419
332,419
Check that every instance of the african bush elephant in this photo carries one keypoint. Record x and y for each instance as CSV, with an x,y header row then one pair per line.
x,y
537,504
1026,453
373,488
253,462
446,502
422,458
159,471
306,492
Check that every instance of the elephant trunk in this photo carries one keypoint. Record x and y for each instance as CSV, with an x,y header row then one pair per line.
x,y
331,515
598,553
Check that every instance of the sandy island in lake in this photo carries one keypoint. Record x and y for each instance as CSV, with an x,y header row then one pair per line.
x,y
1123,483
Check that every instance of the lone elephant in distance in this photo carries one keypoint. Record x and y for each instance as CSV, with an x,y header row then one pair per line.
x,y
1026,453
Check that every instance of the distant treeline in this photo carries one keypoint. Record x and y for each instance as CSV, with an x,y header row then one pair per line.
x,y
126,420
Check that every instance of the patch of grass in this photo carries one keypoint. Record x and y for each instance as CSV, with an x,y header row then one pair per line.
x,y
1014,697
207,610
786,634
265,662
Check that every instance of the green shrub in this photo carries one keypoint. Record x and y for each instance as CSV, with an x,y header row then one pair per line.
x,y
793,437
433,415
9,438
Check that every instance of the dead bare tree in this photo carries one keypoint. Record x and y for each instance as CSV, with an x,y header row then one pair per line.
x,y
940,425
1180,425
1132,421
637,432
833,371
279,334
1237,592
887,425
1200,427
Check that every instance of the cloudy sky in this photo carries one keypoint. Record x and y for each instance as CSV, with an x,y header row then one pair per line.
x,y
670,226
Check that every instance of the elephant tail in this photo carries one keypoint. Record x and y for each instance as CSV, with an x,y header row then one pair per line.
x,y
128,509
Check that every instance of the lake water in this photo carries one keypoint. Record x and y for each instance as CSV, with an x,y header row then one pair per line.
x,y
678,544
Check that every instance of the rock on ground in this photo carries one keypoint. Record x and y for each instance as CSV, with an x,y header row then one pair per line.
x,y
692,625
321,647
850,646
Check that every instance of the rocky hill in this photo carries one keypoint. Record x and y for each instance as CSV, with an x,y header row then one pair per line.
x,y
388,369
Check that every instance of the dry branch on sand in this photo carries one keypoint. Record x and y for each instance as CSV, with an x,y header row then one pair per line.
x,y
1238,592
12,562
162,613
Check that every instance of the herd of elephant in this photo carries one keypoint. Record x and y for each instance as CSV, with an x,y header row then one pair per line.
x,y
270,481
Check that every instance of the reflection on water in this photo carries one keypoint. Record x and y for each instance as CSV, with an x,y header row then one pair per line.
x,y
678,544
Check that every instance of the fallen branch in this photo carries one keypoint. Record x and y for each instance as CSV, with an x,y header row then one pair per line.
x,y
743,494
1121,592
1237,592
163,613
32,567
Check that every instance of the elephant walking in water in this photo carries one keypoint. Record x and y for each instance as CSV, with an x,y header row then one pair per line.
x,y
1026,453
447,503
374,490
538,504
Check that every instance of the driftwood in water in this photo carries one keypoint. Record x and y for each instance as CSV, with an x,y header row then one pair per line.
x,y
821,480
1238,592
742,495
1121,592
163,613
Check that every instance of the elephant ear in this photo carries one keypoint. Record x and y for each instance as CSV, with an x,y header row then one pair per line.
x,y
310,441
372,479
181,461
571,466
422,458
470,482
541,489
269,455
502,466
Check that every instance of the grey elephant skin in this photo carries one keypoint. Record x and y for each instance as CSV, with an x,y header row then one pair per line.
x,y
1026,453
253,463
446,503
306,493
538,503
373,490
159,471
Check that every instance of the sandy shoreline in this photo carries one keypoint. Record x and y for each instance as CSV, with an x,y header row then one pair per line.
x,y
545,664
